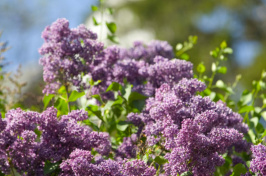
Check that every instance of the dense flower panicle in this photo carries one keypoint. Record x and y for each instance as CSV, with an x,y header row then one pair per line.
x,y
17,121
187,88
136,120
2,123
258,163
155,48
128,149
136,168
114,65
66,54
168,71
110,168
80,163
195,129
78,115
160,48
24,152
58,138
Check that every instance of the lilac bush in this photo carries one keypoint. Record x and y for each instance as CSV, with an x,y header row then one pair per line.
x,y
180,130
195,129
258,163
21,150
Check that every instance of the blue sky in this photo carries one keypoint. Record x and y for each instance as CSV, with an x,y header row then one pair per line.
x,y
22,22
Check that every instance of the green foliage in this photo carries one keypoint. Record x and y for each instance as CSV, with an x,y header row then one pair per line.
x,y
75,95
111,26
187,45
51,168
188,173
239,169
47,99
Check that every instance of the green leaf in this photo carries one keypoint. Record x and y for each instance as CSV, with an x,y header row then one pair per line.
x,y
61,106
113,38
246,97
255,121
201,68
223,45
62,90
94,8
212,95
264,134
1,174
128,88
193,39
95,21
263,114
228,51
239,169
50,167
160,160
252,136
246,109
263,74
229,90
114,86
259,128
214,67
94,109
98,97
136,96
215,53
179,46
109,104
222,70
184,56
47,99
220,84
118,101
75,95
122,125
110,10
111,26
207,91
146,157
187,173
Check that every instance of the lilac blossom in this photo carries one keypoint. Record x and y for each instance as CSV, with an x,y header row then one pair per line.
x,y
258,163
66,54
80,163
21,149
195,129
70,53
128,149
137,168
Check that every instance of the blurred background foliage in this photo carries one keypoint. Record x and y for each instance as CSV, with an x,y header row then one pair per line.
x,y
240,23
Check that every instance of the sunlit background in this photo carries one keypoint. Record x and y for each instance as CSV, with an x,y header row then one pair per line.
x,y
241,23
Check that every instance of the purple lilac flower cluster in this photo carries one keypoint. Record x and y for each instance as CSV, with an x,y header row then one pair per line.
x,y
66,54
258,163
194,129
146,68
21,149
80,163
